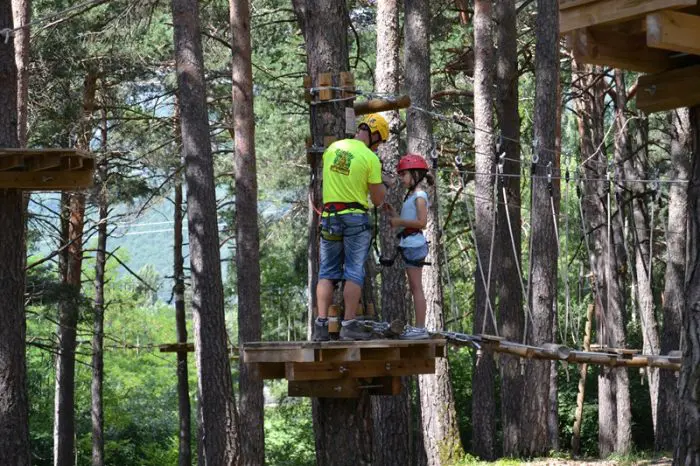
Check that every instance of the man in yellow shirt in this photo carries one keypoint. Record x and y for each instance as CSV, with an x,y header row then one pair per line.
x,y
351,172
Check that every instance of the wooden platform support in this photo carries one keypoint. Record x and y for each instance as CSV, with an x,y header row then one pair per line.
x,y
46,169
343,369
381,105
669,90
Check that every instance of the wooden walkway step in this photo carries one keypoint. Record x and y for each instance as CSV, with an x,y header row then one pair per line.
x,y
46,169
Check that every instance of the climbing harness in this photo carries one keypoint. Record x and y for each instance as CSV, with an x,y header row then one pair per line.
x,y
333,209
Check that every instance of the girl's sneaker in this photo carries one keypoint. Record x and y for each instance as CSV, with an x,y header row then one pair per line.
x,y
414,333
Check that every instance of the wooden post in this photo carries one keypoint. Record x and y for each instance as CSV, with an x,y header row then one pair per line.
x,y
583,370
333,321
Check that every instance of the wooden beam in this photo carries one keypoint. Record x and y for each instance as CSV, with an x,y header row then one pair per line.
x,y
381,105
46,181
617,50
285,355
344,388
176,348
613,11
43,162
669,90
271,370
564,4
8,162
675,31
357,369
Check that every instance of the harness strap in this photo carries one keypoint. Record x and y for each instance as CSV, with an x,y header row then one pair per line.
x,y
337,207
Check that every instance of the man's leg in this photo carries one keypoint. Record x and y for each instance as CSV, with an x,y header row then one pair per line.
x,y
324,296
351,296
356,247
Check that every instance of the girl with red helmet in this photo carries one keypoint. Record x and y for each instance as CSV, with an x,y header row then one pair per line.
x,y
413,173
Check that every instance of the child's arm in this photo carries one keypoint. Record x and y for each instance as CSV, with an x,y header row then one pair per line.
x,y
421,213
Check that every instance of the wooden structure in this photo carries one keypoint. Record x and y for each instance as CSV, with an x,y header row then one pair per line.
x,y
343,369
46,169
660,37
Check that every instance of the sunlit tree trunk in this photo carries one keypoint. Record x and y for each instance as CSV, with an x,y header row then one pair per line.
x,y
440,432
676,234
247,233
22,12
391,415
218,427
483,391
73,222
14,403
688,446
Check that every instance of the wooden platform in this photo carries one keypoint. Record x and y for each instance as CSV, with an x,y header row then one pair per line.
x,y
46,169
661,37
343,369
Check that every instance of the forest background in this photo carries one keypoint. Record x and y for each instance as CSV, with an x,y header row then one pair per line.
x,y
129,44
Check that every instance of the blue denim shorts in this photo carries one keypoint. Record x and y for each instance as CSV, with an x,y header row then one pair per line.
x,y
417,254
345,259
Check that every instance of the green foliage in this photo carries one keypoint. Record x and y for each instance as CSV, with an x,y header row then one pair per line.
x,y
289,439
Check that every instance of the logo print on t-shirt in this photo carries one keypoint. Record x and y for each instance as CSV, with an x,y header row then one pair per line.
x,y
342,161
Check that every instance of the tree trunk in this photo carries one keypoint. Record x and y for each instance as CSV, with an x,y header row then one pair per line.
x,y
14,403
508,279
483,389
73,222
22,13
440,431
676,233
544,251
97,401
247,233
184,406
688,447
218,429
391,414
347,423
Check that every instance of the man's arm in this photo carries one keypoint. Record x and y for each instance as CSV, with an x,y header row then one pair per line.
x,y
377,192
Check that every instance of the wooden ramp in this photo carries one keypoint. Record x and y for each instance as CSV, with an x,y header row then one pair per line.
x,y
46,169
343,369
661,37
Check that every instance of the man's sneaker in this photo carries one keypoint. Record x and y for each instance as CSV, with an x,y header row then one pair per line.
x,y
414,333
356,330
320,331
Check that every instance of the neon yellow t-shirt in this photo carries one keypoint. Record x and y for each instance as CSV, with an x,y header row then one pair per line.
x,y
348,167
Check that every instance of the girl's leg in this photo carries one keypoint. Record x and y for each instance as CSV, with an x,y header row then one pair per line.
x,y
415,282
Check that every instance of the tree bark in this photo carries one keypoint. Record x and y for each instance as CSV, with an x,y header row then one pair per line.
x,y
440,431
14,403
337,422
391,415
545,208
688,446
508,279
676,234
247,234
483,381
218,428
73,222
184,407
97,401
22,13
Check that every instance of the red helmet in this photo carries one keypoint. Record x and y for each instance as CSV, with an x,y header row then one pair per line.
x,y
412,162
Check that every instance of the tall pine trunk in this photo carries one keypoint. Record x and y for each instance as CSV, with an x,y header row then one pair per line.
x,y
14,403
73,222
218,423
483,390
688,448
674,277
22,13
337,422
510,309
440,432
96,388
391,414
247,233
545,208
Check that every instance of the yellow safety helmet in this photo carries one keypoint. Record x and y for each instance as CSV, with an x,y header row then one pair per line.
x,y
376,123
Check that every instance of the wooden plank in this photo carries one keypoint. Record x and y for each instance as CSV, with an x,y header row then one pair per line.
x,y
612,11
671,30
285,355
9,162
344,388
380,354
357,369
669,90
271,370
71,162
418,352
617,50
381,105
46,181
176,348
43,162
338,354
